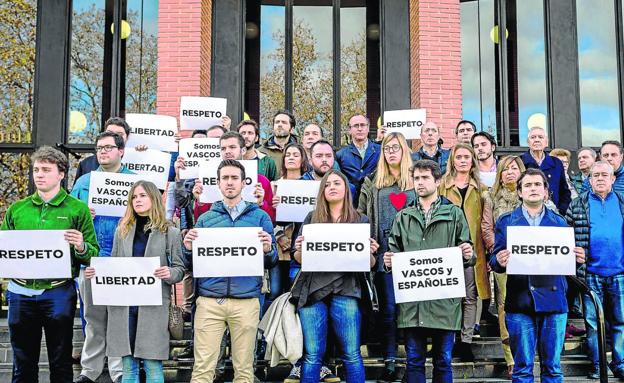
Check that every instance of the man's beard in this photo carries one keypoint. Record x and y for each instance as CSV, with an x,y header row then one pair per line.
x,y
318,173
281,134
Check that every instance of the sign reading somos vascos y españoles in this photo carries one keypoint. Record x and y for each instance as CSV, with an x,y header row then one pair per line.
x,y
195,151
34,254
428,275
108,192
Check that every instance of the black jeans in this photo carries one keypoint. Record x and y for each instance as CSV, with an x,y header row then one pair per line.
x,y
54,312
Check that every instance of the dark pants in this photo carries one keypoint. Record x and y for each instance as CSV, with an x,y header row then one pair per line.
x,y
387,315
416,350
54,312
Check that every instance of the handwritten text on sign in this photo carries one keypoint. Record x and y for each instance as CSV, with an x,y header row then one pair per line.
x,y
210,182
297,199
196,150
201,112
126,281
407,122
336,247
34,254
428,275
154,130
228,252
108,192
151,165
541,250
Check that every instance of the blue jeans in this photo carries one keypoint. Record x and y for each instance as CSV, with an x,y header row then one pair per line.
x,y
131,367
416,350
387,314
54,312
346,322
610,290
547,331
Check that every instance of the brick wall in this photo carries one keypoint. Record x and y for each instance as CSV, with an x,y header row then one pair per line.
x,y
435,56
184,49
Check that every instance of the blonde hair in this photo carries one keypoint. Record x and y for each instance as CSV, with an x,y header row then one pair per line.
x,y
450,167
383,177
559,152
157,220
502,164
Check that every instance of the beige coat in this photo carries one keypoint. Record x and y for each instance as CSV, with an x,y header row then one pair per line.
x,y
473,210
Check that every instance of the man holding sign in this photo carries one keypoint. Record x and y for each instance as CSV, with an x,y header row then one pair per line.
x,y
432,223
229,301
536,306
598,220
46,303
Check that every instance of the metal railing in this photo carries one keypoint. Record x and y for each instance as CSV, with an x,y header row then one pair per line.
x,y
602,345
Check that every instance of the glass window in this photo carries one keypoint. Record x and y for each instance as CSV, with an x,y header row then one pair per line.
x,y
312,61
272,67
526,69
14,174
18,25
87,61
598,78
353,65
141,56
479,41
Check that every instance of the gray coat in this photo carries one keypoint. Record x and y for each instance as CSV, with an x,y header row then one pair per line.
x,y
152,337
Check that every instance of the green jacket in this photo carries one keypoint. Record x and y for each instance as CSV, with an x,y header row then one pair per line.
x,y
448,228
267,167
62,212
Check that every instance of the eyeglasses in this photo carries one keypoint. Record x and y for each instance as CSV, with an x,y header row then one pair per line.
x,y
105,148
392,148
359,126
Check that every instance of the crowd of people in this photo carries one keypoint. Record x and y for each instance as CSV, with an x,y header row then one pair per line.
x,y
430,198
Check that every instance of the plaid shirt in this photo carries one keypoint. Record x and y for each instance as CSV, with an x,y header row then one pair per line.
x,y
432,209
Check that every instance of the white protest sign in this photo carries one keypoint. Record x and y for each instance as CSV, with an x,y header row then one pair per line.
x,y
34,254
152,165
108,192
154,130
196,150
336,247
126,281
297,199
201,112
487,178
407,122
228,252
541,250
428,275
208,175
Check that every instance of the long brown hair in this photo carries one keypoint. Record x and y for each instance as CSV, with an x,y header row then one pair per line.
x,y
322,214
474,168
305,165
502,164
157,220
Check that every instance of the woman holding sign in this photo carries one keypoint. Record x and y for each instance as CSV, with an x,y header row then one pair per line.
x,y
503,198
385,193
140,333
336,295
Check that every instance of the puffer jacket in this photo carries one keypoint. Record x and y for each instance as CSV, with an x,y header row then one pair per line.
x,y
233,287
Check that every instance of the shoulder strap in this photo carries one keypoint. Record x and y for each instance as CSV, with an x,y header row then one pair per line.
x,y
167,251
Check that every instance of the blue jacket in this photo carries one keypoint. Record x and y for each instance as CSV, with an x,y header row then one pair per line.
x,y
530,293
557,184
105,226
441,157
618,185
233,287
356,168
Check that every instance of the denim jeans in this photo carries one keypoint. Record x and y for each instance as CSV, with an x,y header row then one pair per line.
x,y
610,290
132,366
416,350
54,312
547,331
346,318
387,314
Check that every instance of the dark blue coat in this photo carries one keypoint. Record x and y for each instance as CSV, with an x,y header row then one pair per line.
x,y
557,184
356,168
441,157
618,185
234,287
530,293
